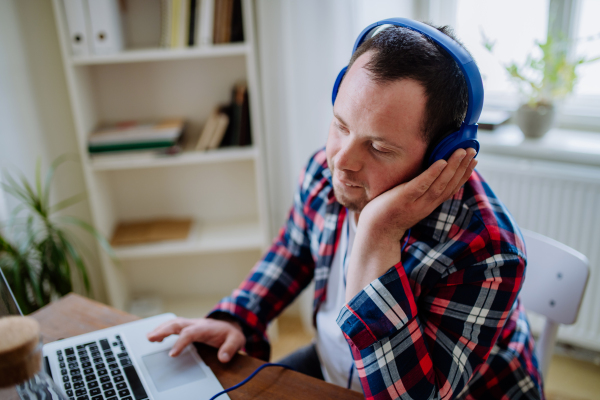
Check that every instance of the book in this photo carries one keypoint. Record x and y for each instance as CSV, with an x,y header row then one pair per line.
x,y
136,135
208,130
184,21
166,11
226,21
175,15
217,21
238,133
156,230
237,22
237,102
219,132
214,130
245,136
193,22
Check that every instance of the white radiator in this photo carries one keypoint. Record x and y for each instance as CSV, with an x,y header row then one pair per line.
x,y
561,201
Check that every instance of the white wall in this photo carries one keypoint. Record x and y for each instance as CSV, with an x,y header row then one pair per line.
x,y
35,116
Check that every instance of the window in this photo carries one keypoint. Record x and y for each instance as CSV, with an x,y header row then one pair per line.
x,y
514,26
588,43
513,34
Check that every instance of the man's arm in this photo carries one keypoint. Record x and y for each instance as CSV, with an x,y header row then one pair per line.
x,y
429,350
384,220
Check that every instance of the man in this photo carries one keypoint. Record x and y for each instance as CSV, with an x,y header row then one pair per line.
x,y
418,272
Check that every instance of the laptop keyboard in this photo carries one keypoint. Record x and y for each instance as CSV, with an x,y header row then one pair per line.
x,y
100,370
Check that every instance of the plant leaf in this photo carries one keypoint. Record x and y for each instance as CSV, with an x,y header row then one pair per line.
x,y
77,260
99,237
38,177
50,174
68,202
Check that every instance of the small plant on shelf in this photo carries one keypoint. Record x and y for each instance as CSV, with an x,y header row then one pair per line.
x,y
38,250
547,75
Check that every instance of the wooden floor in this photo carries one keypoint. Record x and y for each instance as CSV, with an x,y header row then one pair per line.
x,y
569,379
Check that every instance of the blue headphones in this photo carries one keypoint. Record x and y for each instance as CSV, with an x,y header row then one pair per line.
x,y
466,136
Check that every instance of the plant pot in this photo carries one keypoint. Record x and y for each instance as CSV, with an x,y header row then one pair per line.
x,y
535,121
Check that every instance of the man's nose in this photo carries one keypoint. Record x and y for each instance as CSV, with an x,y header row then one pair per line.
x,y
349,157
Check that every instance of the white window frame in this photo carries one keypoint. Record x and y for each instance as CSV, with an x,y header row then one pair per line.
x,y
577,112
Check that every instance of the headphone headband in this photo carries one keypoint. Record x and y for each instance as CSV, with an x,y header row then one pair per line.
x,y
456,51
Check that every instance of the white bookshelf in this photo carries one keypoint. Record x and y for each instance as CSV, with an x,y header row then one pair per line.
x,y
223,190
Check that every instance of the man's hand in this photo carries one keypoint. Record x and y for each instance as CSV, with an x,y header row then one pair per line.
x,y
227,336
385,219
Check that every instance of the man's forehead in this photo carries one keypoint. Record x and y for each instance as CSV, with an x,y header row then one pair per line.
x,y
385,107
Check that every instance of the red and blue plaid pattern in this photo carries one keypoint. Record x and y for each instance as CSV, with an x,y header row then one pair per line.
x,y
445,322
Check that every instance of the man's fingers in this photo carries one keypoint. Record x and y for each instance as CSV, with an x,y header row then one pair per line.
x,y
233,342
466,175
458,178
418,186
186,336
172,327
439,187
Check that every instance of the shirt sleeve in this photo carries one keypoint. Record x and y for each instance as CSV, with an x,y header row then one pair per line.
x,y
274,282
429,350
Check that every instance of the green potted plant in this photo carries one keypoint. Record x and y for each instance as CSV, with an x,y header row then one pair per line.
x,y
38,250
546,76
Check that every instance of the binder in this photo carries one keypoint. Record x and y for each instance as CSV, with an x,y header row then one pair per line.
x,y
105,21
78,27
205,28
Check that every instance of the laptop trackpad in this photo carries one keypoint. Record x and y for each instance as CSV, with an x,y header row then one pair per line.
x,y
170,372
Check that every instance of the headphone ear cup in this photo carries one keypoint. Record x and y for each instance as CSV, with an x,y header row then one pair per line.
x,y
336,85
464,138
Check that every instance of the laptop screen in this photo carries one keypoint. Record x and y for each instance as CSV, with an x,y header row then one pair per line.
x,y
8,304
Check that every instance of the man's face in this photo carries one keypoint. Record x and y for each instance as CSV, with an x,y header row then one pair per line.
x,y
375,140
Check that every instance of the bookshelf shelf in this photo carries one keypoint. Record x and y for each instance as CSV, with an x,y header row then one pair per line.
x,y
205,237
112,162
159,54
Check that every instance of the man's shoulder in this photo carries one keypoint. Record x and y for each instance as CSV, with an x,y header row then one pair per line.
x,y
316,176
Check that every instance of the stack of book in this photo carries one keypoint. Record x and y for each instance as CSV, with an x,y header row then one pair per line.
x,y
136,135
200,22
228,125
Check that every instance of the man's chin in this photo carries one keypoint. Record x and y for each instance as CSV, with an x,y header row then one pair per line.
x,y
351,203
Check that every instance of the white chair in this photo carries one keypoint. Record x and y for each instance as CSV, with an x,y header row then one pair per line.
x,y
555,281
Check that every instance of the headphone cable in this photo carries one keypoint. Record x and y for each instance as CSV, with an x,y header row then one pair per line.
x,y
256,371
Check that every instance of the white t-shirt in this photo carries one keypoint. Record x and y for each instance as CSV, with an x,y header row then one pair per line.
x,y
332,348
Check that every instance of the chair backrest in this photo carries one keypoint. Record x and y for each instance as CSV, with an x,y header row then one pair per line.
x,y
555,278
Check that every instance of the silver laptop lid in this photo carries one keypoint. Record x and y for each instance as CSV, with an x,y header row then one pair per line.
x,y
8,304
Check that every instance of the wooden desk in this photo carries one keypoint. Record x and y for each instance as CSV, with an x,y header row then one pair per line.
x,y
73,315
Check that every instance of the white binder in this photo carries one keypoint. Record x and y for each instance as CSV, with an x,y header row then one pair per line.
x,y
77,16
105,18
206,8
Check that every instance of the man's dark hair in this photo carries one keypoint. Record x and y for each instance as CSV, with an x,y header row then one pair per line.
x,y
401,53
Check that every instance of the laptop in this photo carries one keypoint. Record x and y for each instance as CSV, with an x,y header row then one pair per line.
x,y
119,363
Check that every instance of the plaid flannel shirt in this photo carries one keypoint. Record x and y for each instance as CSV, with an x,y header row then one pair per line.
x,y
445,322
